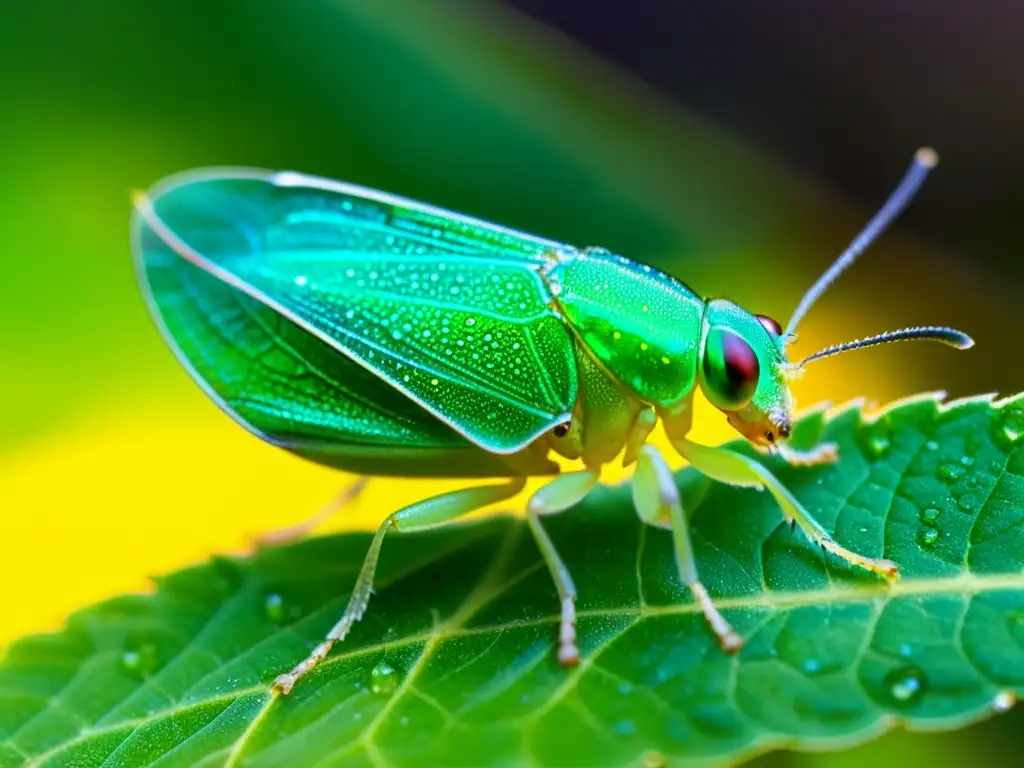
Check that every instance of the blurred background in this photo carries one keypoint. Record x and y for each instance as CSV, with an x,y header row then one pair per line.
x,y
737,145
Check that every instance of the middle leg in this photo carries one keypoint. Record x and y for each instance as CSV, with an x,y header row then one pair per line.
x,y
657,502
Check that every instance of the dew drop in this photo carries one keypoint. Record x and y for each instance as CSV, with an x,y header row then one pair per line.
x,y
928,536
968,502
1011,427
930,515
950,473
966,461
876,438
878,445
905,686
906,650
624,728
932,445
1003,701
273,607
383,679
140,661
470,322
810,666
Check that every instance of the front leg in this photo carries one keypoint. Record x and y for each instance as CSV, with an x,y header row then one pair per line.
x,y
823,453
736,469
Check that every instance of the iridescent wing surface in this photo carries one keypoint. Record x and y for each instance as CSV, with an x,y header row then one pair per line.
x,y
319,312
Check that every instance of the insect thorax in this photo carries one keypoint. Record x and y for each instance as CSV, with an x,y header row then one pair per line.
x,y
641,325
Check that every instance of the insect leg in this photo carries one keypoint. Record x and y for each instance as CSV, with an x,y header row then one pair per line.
x,y
302,530
557,496
657,502
643,425
824,453
736,469
423,514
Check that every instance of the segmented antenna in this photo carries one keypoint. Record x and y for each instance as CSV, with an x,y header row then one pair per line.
x,y
924,160
950,336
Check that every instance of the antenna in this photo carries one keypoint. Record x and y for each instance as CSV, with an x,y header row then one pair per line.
x,y
950,336
924,160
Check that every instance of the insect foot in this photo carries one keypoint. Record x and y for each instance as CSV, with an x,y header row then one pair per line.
x,y
283,684
568,651
826,453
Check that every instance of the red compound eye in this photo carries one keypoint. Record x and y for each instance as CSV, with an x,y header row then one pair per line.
x,y
731,370
770,324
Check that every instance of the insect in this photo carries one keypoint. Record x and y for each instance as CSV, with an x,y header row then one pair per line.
x,y
382,336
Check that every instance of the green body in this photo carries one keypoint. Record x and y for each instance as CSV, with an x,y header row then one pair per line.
x,y
382,336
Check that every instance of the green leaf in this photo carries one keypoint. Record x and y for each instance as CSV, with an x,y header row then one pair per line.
x,y
454,663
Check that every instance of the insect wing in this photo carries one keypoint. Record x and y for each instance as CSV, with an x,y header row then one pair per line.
x,y
451,312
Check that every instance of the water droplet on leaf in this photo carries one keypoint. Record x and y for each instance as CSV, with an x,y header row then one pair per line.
x,y
273,607
930,515
905,686
383,679
878,445
140,661
950,473
1003,701
624,728
1010,427
928,536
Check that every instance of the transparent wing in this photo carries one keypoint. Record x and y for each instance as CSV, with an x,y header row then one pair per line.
x,y
449,313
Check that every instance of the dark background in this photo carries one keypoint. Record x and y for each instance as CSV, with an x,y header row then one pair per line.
x,y
845,91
